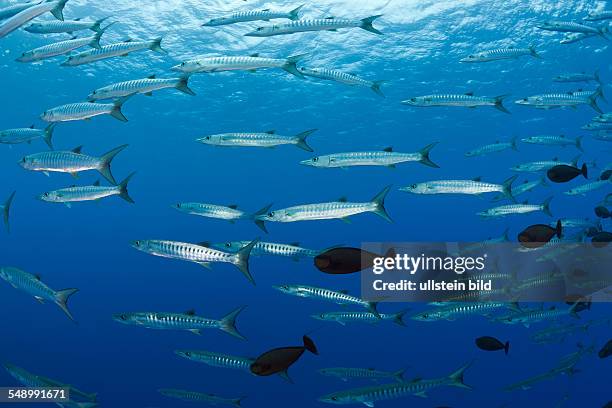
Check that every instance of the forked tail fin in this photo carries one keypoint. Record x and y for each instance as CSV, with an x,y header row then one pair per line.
x,y
228,323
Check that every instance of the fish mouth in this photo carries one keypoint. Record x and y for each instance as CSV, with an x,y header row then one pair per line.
x,y
252,34
176,68
306,162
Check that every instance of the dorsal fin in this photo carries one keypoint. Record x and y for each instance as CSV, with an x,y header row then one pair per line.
x,y
151,76
37,277
294,243
190,312
330,18
204,244
96,183
128,40
271,132
232,206
344,291
31,126
562,135
470,93
77,149
388,149
77,19
526,202
477,178
256,54
343,199
265,10
555,159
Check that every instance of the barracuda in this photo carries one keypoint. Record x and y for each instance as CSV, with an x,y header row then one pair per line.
x,y
571,38
251,63
320,24
341,209
536,316
11,10
193,396
26,135
387,158
337,297
14,22
68,26
32,285
182,321
587,188
570,27
71,162
551,279
471,187
605,118
347,373
599,15
198,253
417,387
524,188
342,77
254,15
141,86
114,50
267,139
559,333
512,209
343,318
578,77
554,141
500,54
598,126
218,360
59,48
70,195
85,111
293,250
230,213
492,148
452,311
559,100
467,100
486,243
538,166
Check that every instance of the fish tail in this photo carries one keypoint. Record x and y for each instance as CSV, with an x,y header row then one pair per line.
x,y
301,140
376,87
575,160
259,222
596,76
228,323
399,375
105,162
156,46
242,259
123,189
58,11
117,105
572,310
425,155
372,308
290,65
546,206
6,210
507,347
183,85
559,229
513,143
98,23
456,378
398,318
237,402
507,188
366,24
379,202
310,345
543,181
95,43
599,93
295,13
584,171
61,298
593,102
533,52
499,103
602,32
579,143
48,135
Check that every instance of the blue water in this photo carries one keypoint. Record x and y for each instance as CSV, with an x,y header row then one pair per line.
x,y
88,245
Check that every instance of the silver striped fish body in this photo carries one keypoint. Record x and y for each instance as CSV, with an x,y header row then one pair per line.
x,y
523,188
550,140
491,148
605,118
546,101
334,75
77,111
356,372
168,321
370,158
28,283
498,54
511,209
67,26
12,23
10,11
211,211
599,15
354,317
221,64
458,310
597,126
193,396
249,140
579,223
538,166
22,135
305,25
460,100
140,86
578,77
270,248
586,188
55,49
586,94
571,38
107,51
218,360
61,161
313,292
247,16
453,187
26,378
568,27
319,211
184,251
80,194
536,316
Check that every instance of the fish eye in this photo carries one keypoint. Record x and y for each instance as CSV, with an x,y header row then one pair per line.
x,y
137,243
23,160
178,205
413,186
228,244
315,159
183,64
334,398
259,28
94,92
46,195
188,353
271,214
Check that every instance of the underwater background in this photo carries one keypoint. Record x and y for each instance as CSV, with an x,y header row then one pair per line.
x,y
88,246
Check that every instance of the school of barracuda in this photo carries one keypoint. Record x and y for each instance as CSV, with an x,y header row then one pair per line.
x,y
88,47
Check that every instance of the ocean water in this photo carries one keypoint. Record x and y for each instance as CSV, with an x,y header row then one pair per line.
x,y
88,246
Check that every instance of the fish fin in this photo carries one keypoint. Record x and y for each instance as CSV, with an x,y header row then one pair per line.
x,y
190,312
205,264
593,103
398,318
301,140
46,173
513,144
506,347
156,46
366,24
96,183
507,187
379,202
58,10
285,376
6,210
310,345
236,402
456,378
254,55
39,299
195,331
499,103
48,135
533,52
61,299
183,85
295,13
342,199
95,42
69,205
368,403
117,105
228,323
346,220
421,394
242,260
105,162
469,93
546,206
74,175
290,65
584,171
388,149
123,189
424,152
233,206
148,94
376,87
259,222
372,308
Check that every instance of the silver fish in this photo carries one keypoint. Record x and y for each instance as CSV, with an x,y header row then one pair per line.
x,y
26,135
347,373
230,213
473,187
337,297
453,310
114,50
571,38
387,158
511,209
254,15
342,77
544,165
587,188
555,141
32,285
198,253
321,24
604,118
14,22
11,10
598,126
524,188
500,54
492,148
468,100
66,26
559,100
263,139
70,195
85,111
578,77
141,86
193,396
72,162
59,48
251,63
535,316
570,27
599,15
292,250
343,318
217,359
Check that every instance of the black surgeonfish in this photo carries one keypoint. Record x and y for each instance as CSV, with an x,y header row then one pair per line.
x,y
602,212
341,261
601,239
278,360
489,343
606,350
538,235
564,173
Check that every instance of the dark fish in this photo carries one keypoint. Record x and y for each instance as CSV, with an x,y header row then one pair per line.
x,y
608,405
537,235
602,212
488,343
581,302
601,239
278,361
564,173
605,175
340,261
606,350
